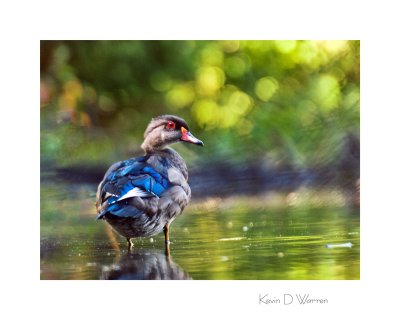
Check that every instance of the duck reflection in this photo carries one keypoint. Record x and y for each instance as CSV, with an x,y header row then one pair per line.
x,y
144,265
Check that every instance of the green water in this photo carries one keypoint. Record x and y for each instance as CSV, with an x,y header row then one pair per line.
x,y
266,237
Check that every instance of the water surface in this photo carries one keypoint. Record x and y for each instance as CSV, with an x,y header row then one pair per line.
x,y
272,236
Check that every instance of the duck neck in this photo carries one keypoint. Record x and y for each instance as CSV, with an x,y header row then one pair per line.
x,y
165,152
149,148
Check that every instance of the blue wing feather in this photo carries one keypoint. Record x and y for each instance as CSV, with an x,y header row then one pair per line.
x,y
122,211
128,175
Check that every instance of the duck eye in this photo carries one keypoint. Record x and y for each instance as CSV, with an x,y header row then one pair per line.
x,y
170,125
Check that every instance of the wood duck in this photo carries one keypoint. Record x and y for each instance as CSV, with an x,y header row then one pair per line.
x,y
140,197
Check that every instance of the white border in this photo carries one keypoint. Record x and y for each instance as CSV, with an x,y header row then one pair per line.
x,y
25,23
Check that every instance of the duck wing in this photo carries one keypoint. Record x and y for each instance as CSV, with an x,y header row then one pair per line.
x,y
142,177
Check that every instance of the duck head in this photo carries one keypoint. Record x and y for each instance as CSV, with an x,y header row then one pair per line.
x,y
165,130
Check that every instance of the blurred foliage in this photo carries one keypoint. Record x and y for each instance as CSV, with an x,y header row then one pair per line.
x,y
288,102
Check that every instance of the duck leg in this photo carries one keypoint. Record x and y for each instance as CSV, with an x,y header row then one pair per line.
x,y
167,242
130,244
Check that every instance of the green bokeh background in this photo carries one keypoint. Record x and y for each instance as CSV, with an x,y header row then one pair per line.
x,y
291,103
277,180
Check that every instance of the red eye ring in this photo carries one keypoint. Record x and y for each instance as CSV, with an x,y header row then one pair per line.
x,y
170,125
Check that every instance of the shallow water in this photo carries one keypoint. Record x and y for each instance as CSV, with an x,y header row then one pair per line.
x,y
274,236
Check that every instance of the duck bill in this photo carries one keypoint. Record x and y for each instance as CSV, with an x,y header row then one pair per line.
x,y
188,137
